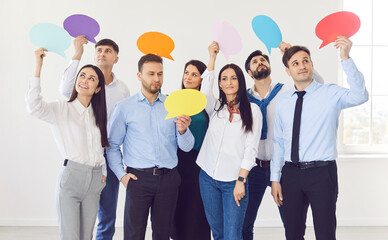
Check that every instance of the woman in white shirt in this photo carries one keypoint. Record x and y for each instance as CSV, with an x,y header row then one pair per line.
x,y
79,129
229,149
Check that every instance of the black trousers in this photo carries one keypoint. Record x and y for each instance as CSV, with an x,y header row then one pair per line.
x,y
317,187
158,193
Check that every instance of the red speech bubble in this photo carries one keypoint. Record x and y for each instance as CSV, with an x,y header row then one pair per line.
x,y
337,24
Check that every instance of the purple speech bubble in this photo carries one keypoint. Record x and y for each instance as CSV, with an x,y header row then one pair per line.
x,y
228,38
79,24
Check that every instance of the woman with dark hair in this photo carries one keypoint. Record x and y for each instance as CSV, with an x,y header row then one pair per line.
x,y
190,221
79,129
229,149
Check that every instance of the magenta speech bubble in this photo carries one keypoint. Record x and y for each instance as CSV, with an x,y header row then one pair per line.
x,y
79,24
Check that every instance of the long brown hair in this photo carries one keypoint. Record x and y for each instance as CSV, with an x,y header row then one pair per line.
x,y
98,103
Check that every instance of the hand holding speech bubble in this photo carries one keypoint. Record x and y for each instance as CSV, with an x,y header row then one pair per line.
x,y
186,101
156,43
228,38
337,24
267,31
79,24
50,36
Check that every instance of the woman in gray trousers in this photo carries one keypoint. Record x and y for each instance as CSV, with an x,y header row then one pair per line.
x,y
79,129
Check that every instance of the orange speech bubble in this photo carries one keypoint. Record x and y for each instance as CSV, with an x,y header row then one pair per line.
x,y
156,43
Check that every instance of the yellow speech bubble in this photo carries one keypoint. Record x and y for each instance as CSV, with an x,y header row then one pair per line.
x,y
186,101
156,43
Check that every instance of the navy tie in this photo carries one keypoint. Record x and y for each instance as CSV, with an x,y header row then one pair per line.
x,y
296,128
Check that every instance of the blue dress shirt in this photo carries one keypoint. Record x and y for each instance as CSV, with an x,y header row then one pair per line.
x,y
148,139
322,105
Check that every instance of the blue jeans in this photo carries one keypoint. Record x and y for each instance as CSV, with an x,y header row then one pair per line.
x,y
107,207
224,216
258,181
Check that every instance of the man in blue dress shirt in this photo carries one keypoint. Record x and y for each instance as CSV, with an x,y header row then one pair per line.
x,y
150,153
305,133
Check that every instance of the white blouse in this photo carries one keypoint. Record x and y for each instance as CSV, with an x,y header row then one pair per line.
x,y
227,147
74,127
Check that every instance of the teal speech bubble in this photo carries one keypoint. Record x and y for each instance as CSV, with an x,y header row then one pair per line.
x,y
50,36
267,31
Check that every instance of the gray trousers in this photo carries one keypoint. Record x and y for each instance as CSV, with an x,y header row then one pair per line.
x,y
78,194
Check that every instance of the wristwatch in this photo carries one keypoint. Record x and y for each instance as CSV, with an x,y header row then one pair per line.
x,y
241,179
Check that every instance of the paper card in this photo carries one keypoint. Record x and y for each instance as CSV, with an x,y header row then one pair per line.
x,y
186,101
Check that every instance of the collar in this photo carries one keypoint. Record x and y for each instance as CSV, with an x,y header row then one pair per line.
x,y
309,89
113,81
160,97
79,107
257,95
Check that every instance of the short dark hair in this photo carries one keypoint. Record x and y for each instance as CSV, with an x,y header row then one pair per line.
x,y
108,42
196,63
149,58
291,51
252,55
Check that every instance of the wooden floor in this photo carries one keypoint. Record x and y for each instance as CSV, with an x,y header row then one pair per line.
x,y
343,233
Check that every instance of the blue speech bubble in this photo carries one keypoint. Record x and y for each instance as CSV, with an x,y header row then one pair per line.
x,y
267,31
50,36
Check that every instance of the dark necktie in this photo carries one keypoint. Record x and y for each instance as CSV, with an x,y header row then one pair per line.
x,y
296,128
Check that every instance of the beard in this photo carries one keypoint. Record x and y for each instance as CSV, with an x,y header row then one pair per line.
x,y
261,74
150,89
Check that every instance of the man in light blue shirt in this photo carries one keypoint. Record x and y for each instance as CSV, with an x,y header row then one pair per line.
x,y
150,153
305,133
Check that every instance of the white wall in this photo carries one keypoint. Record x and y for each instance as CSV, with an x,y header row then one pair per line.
x,y
29,160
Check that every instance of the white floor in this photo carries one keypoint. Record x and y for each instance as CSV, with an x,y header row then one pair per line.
x,y
343,233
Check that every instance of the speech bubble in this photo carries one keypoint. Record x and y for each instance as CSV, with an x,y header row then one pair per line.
x,y
50,36
267,31
341,23
186,101
79,24
156,43
228,38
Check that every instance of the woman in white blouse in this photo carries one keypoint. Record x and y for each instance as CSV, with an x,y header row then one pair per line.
x,y
79,129
229,149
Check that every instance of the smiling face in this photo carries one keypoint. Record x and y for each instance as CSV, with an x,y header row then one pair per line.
x,y
259,68
87,82
151,77
229,83
191,77
105,56
300,67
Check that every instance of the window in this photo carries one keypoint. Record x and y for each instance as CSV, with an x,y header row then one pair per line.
x,y
365,128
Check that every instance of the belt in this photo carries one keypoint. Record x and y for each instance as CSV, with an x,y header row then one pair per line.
x,y
312,164
154,170
263,163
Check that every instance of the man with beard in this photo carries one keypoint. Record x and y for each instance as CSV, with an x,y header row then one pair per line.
x,y
150,153
264,93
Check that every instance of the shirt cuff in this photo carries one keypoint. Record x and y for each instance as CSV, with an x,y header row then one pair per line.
x,y
34,82
275,176
186,140
206,73
247,164
348,65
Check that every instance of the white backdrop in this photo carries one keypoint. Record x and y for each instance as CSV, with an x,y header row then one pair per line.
x,y
29,160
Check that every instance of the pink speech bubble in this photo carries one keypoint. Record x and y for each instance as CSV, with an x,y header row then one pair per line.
x,y
337,24
79,24
228,38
